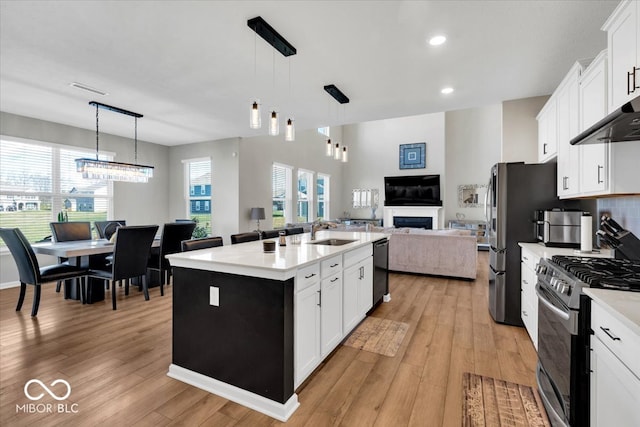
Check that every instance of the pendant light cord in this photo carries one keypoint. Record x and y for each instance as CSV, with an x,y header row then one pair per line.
x,y
97,133
135,140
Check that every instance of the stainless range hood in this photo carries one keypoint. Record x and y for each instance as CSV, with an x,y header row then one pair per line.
x,y
619,126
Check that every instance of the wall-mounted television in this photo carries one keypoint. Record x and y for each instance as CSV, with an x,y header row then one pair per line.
x,y
413,190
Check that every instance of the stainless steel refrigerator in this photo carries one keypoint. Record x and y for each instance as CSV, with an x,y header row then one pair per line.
x,y
515,191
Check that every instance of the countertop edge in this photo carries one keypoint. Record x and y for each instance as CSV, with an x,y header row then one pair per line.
x,y
617,304
547,251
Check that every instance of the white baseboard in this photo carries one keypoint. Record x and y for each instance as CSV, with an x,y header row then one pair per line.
x,y
279,411
8,285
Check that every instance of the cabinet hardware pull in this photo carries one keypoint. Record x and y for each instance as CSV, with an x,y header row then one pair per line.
x,y
565,182
613,337
525,258
599,180
334,279
334,265
310,276
629,73
635,69
544,148
319,298
525,282
524,313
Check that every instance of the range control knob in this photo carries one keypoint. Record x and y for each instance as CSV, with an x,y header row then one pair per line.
x,y
541,269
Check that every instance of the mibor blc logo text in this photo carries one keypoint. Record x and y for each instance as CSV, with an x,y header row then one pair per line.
x,y
35,390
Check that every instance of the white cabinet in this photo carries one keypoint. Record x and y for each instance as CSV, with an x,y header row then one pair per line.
x,y
330,313
568,125
547,135
306,332
357,287
615,371
528,297
623,44
593,107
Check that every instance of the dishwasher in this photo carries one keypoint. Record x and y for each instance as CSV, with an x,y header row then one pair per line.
x,y
380,271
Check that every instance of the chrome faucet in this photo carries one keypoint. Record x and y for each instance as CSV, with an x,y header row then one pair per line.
x,y
315,226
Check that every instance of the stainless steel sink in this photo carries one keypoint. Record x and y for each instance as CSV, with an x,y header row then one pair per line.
x,y
331,242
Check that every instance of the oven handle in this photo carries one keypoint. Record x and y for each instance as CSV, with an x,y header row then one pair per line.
x,y
560,313
555,418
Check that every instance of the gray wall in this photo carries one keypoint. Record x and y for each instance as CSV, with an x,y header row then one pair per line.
x,y
520,129
473,146
374,154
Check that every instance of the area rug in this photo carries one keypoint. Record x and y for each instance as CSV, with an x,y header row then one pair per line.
x,y
490,402
377,335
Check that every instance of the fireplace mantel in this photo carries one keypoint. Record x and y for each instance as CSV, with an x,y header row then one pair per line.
x,y
431,211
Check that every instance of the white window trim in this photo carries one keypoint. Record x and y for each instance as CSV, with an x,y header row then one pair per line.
x,y
327,195
288,199
185,182
311,206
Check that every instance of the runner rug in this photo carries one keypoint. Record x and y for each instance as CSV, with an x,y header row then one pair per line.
x,y
491,402
377,335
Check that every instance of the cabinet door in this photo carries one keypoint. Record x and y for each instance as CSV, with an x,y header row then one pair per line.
x,y
622,45
331,313
365,286
568,126
307,332
529,303
547,137
350,312
614,390
593,107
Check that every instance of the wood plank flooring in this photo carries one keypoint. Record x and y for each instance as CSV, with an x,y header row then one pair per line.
x,y
116,362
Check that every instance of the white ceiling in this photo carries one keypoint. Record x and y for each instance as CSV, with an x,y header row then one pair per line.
x,y
192,67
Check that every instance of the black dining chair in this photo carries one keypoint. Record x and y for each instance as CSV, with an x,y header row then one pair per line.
x,y
170,243
106,229
270,234
130,256
68,231
294,230
245,237
203,243
31,274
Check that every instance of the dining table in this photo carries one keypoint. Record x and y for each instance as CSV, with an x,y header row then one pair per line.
x,y
82,253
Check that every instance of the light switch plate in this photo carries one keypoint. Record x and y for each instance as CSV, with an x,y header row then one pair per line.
x,y
214,296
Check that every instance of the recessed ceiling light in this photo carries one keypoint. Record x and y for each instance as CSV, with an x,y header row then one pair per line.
x,y
437,40
87,88
447,90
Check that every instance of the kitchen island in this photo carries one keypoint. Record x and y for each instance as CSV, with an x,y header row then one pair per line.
x,y
251,326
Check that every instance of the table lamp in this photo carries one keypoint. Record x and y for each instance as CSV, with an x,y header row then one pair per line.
x,y
256,215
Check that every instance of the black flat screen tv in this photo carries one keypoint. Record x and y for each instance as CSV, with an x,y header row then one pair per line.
x,y
414,190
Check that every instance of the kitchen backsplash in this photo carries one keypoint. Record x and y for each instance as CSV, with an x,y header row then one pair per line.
x,y
624,210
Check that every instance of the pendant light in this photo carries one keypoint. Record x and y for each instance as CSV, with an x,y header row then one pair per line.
x,y
345,155
290,131
255,122
114,171
336,152
329,152
274,124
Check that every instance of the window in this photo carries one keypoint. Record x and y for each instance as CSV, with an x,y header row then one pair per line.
x,y
281,195
198,182
324,131
322,190
305,196
38,180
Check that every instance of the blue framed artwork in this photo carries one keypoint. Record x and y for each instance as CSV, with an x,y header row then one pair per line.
x,y
412,156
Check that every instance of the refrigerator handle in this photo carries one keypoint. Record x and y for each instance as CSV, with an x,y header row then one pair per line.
x,y
486,203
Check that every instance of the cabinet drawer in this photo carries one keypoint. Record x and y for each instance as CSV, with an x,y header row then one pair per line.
x,y
529,259
331,266
307,276
617,337
357,255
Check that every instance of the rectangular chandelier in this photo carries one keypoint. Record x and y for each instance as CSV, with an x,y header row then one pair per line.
x,y
113,171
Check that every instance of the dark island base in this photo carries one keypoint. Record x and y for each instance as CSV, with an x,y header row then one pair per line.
x,y
246,341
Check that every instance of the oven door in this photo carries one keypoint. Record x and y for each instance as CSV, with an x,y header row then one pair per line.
x,y
556,326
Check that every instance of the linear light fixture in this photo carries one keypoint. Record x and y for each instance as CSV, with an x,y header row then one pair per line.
x,y
271,36
87,88
114,171
337,94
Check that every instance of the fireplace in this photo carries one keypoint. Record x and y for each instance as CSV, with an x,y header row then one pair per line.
x,y
413,212
413,222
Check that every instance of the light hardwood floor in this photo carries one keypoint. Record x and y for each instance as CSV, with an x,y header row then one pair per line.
x,y
116,362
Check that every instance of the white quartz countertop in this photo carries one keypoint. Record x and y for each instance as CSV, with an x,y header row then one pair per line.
x,y
547,252
249,259
623,305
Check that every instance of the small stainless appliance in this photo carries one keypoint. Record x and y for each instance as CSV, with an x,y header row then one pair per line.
x,y
558,227
564,329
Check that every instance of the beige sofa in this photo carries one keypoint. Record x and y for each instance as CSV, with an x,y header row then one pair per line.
x,y
439,252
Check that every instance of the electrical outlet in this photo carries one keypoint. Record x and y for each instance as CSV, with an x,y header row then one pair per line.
x,y
214,296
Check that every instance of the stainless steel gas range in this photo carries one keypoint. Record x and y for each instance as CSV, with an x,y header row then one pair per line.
x,y
564,329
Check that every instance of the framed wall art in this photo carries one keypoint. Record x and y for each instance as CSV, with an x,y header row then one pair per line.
x,y
413,156
471,196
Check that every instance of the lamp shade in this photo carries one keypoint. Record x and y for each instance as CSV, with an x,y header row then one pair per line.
x,y
257,214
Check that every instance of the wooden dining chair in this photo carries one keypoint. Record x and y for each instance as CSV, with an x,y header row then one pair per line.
x,y
130,256
245,237
170,243
30,272
203,243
